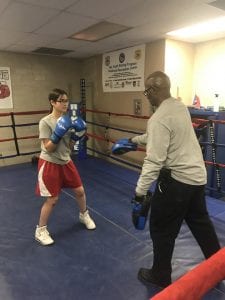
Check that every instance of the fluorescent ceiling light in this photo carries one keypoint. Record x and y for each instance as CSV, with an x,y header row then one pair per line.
x,y
209,27
99,31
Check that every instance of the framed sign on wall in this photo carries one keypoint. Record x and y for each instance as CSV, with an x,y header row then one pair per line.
x,y
5,88
123,70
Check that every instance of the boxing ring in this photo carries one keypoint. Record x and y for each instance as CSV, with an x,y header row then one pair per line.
x,y
102,264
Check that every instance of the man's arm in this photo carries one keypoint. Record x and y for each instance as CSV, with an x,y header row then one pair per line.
x,y
139,139
156,154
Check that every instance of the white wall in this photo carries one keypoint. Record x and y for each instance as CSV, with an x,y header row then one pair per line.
x,y
179,63
209,71
196,69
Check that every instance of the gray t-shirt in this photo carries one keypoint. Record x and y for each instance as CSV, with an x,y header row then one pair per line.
x,y
171,143
61,155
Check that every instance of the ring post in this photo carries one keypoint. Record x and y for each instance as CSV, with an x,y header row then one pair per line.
x,y
82,148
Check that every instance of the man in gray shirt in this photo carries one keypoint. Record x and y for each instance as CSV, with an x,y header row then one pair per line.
x,y
174,158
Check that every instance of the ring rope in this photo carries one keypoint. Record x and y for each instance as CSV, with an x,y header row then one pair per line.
x,y
197,121
116,114
101,138
23,113
115,158
215,164
107,137
13,125
114,128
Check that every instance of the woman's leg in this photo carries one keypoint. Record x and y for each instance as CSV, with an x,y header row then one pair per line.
x,y
80,198
41,234
84,216
46,210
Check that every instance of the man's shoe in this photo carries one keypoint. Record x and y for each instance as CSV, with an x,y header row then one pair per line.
x,y
146,277
42,236
87,220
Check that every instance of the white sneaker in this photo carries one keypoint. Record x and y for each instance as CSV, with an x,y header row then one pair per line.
x,y
42,236
87,220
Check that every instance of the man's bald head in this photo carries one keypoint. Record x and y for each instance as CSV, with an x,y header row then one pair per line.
x,y
159,80
157,88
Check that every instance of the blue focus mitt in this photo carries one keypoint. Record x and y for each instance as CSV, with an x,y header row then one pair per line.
x,y
141,206
122,146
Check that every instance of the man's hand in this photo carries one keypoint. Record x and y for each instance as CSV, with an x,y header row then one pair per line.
x,y
141,206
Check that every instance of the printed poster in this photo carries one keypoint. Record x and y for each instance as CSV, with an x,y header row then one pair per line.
x,y
5,88
123,70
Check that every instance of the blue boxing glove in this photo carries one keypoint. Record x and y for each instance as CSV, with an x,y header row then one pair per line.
x,y
78,124
141,206
79,129
62,126
122,146
79,136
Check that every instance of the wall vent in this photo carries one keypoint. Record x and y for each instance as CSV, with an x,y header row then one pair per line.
x,y
51,51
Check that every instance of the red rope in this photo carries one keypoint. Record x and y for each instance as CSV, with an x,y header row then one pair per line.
x,y
6,140
203,121
5,114
214,164
21,138
195,284
31,112
24,113
28,137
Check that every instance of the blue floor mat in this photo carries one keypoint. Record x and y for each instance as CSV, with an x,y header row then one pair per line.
x,y
82,264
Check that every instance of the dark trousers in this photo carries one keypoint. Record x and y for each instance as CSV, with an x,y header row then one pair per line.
x,y
172,203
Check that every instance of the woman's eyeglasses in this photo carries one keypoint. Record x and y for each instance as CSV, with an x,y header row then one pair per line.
x,y
63,101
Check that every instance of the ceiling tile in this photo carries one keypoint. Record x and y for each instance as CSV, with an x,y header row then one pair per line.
x,y
66,24
37,40
24,17
101,8
8,38
4,4
57,4
153,13
20,48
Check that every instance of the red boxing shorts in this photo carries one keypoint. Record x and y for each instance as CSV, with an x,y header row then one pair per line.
x,y
53,177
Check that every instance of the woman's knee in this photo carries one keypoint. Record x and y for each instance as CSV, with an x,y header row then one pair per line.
x,y
79,192
52,201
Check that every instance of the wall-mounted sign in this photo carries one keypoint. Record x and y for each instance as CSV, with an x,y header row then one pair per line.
x,y
5,88
123,70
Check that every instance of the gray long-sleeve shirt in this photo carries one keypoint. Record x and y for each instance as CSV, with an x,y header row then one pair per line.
x,y
171,142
